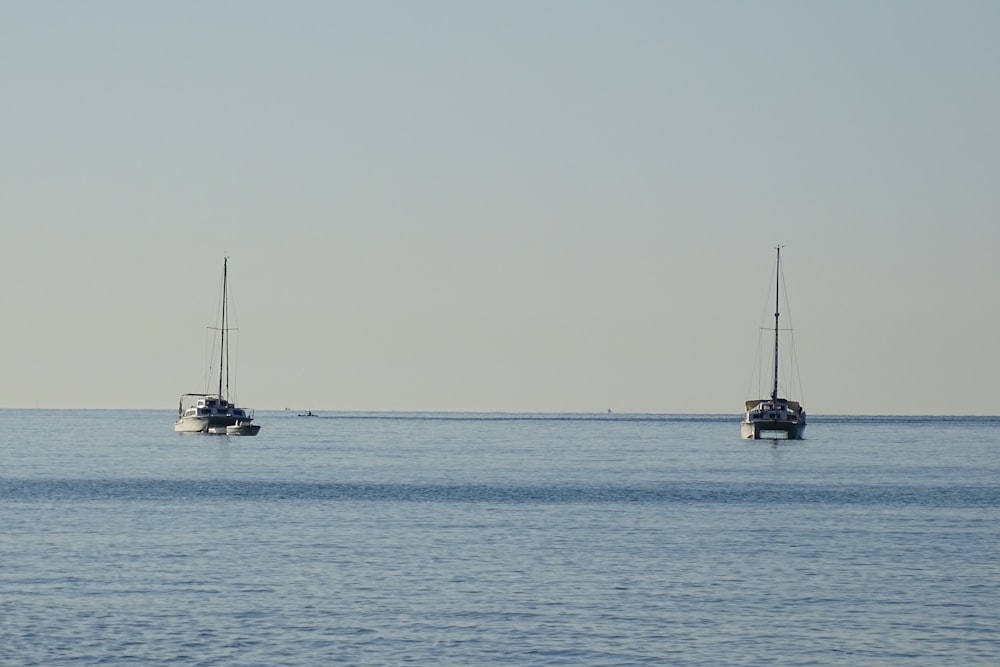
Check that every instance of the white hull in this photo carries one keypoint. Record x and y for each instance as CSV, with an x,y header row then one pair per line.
x,y
766,429
196,425
243,429
191,425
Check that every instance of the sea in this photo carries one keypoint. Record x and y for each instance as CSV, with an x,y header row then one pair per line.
x,y
497,539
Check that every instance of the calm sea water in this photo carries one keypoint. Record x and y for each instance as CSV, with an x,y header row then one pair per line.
x,y
452,539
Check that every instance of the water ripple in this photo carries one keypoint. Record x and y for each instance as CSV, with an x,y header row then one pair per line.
x,y
672,493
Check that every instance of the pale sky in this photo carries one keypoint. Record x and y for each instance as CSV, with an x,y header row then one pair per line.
x,y
500,206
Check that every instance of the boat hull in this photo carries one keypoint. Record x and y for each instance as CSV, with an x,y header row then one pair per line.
x,y
215,425
243,429
768,429
191,425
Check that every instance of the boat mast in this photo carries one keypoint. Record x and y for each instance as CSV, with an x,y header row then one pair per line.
x,y
777,285
223,349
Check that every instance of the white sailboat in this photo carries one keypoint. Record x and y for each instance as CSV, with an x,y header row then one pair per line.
x,y
212,412
774,417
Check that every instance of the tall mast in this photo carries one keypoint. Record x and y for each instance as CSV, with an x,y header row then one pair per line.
x,y
777,286
223,350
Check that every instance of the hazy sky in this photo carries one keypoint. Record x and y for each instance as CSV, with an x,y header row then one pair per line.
x,y
500,206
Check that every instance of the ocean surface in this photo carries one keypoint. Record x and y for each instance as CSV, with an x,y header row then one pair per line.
x,y
497,539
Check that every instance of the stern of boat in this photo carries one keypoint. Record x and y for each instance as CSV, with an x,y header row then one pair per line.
x,y
772,430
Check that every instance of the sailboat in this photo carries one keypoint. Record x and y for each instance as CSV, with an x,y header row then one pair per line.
x,y
212,412
774,417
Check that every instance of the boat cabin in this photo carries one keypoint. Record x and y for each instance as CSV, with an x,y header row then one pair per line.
x,y
214,406
773,410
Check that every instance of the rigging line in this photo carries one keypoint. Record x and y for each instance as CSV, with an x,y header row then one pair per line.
x,y
225,346
798,373
795,375
755,370
765,314
788,303
208,362
234,343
